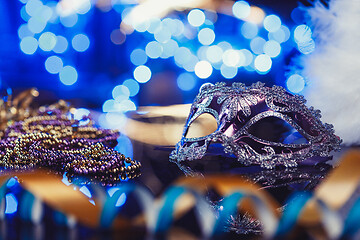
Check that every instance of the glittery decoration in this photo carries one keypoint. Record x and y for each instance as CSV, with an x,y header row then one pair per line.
x,y
49,137
237,108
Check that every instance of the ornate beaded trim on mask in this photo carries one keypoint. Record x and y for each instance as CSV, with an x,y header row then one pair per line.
x,y
237,108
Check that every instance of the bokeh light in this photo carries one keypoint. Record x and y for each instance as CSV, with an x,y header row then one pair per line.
x,y
272,23
201,52
233,58
295,83
263,63
33,6
141,26
68,7
35,25
306,47
138,57
228,72
153,49
272,48
169,48
249,30
206,36
256,16
248,57
155,25
163,35
24,31
257,45
302,33
241,9
24,15
214,54
80,42
117,37
61,44
70,20
28,45
196,17
47,41
120,93
191,63
53,64
142,74
203,69
281,35
182,55
109,106
125,146
199,43
224,45
133,87
68,75
186,81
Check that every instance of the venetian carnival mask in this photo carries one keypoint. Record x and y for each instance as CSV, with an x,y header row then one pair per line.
x,y
248,118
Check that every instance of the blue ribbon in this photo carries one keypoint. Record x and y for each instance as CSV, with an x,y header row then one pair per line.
x,y
229,207
165,216
110,210
292,211
352,221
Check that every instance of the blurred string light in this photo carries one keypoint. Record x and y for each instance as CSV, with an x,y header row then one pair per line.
x,y
170,39
295,83
206,36
241,9
303,38
203,69
249,30
138,57
133,87
61,44
259,42
196,18
47,41
272,23
117,37
80,42
37,33
191,39
186,81
120,103
54,64
29,45
68,75
262,63
142,74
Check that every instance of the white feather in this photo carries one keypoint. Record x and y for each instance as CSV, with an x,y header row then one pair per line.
x,y
333,69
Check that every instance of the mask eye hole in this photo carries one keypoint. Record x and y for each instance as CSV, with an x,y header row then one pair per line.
x,y
276,130
202,126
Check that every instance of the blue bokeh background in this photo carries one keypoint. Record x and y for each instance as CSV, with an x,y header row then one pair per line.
x,y
85,55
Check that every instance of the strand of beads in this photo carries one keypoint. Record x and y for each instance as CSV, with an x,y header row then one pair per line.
x,y
50,139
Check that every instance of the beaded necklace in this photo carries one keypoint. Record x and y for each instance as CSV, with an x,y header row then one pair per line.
x,y
49,138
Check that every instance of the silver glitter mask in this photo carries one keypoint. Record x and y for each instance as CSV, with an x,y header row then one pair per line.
x,y
247,122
